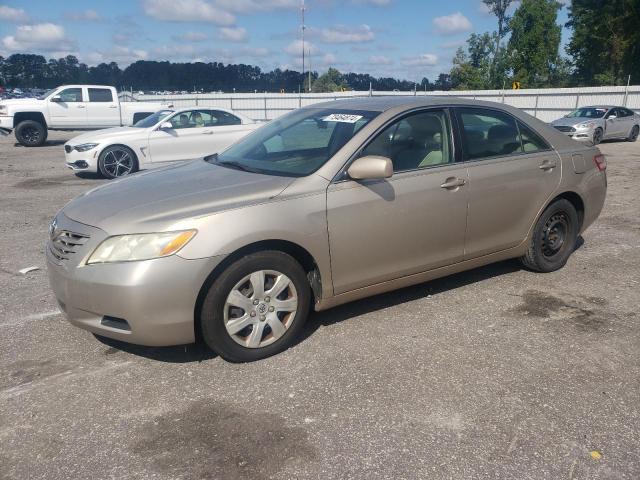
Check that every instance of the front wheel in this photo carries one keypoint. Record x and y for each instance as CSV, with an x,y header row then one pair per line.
x,y
256,307
597,136
30,133
633,136
117,161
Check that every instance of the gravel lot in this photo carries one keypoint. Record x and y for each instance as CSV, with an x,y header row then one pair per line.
x,y
493,373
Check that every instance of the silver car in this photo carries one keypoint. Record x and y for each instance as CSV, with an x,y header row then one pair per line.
x,y
328,204
594,124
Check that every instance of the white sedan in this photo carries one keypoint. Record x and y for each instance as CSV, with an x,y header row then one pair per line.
x,y
165,136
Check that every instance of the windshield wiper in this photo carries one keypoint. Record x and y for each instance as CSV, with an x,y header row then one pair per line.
x,y
236,166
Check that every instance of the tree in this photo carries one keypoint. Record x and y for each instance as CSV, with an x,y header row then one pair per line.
x,y
533,49
331,81
605,43
472,69
499,8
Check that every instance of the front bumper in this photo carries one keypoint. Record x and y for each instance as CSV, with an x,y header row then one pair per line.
x,y
6,123
148,302
82,161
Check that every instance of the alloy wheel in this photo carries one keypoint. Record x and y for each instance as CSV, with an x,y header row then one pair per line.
x,y
118,162
31,134
260,308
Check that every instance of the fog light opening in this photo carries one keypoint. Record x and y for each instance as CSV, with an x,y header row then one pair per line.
x,y
80,164
114,322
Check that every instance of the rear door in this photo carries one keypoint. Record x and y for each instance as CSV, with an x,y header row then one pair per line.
x,y
381,230
512,174
70,111
102,108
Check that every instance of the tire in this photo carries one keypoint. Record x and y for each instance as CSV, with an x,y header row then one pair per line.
x,y
554,238
30,133
238,343
117,161
597,136
633,136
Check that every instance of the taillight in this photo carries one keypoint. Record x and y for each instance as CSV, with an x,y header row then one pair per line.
x,y
600,162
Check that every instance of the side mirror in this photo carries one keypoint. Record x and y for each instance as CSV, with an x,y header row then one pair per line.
x,y
166,126
56,99
371,167
612,117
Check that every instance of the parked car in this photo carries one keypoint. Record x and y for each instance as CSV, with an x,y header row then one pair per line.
x,y
70,107
595,124
165,136
325,205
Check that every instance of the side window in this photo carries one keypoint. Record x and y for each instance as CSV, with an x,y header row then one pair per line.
x,y
224,118
100,95
531,141
613,112
626,112
182,120
420,140
488,133
69,95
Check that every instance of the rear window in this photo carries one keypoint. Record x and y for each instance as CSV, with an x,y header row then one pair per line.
x,y
100,95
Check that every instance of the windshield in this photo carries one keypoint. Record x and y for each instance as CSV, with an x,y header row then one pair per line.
x,y
296,144
152,119
588,112
46,94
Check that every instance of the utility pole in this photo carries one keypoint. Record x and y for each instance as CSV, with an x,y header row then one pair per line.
x,y
304,27
309,70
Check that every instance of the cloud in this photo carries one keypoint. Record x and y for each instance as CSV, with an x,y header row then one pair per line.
x,y
191,37
295,48
42,36
380,60
252,6
452,24
424,60
232,34
9,14
377,3
345,34
84,16
187,11
121,55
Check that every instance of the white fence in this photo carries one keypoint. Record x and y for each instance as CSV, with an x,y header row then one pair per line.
x,y
546,104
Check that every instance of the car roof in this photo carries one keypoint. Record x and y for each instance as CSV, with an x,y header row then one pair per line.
x,y
384,103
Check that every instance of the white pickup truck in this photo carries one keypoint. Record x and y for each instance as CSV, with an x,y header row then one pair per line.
x,y
70,107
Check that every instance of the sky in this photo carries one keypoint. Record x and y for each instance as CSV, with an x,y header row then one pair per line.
x,y
408,39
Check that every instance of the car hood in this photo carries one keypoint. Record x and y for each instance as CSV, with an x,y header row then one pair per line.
x,y
17,102
165,198
571,122
106,134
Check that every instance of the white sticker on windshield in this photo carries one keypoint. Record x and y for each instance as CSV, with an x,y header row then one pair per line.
x,y
342,117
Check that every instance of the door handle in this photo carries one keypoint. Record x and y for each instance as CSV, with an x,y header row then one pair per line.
x,y
113,106
547,165
452,183
81,106
207,133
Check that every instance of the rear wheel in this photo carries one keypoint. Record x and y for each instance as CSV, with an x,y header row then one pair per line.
x,y
597,136
30,133
554,238
256,307
117,161
633,136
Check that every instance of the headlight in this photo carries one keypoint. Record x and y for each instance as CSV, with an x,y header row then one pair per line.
x,y
127,248
85,146
585,125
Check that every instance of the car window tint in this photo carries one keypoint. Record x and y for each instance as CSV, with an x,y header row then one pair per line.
x,y
220,118
100,95
418,141
69,95
488,133
626,112
531,141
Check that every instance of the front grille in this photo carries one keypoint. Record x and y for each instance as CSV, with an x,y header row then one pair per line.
x,y
68,148
64,243
564,128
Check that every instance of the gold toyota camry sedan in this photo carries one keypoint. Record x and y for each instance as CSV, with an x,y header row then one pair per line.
x,y
328,204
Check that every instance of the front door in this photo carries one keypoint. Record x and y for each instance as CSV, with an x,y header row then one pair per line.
x,y
380,230
187,138
102,109
512,174
70,111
